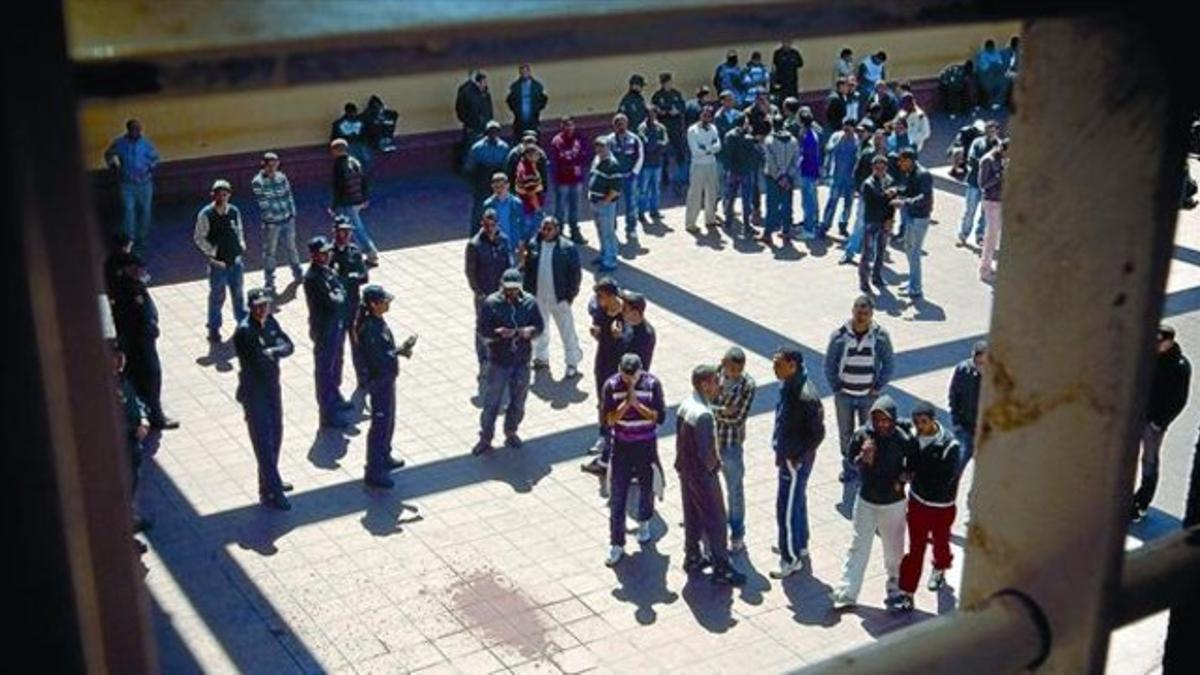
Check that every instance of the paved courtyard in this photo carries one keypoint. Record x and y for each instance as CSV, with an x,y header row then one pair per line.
x,y
494,564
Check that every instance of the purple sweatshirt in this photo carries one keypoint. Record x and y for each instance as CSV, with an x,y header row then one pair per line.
x,y
810,154
632,427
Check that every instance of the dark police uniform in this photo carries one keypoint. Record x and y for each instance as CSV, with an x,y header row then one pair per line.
x,y
325,295
380,361
259,348
136,319
351,266
133,413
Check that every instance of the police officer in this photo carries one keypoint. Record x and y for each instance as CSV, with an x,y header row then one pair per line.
x,y
350,264
134,415
325,295
260,343
379,355
136,319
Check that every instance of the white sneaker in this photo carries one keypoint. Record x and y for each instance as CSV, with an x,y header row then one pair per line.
x,y
644,535
842,600
615,553
787,569
936,580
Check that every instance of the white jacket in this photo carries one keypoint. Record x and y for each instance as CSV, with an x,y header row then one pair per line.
x,y
919,130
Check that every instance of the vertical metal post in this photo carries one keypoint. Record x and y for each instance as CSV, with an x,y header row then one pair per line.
x,y
1090,203
69,473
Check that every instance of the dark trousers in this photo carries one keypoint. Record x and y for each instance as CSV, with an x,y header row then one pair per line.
x,y
264,419
629,461
144,370
327,360
704,516
678,149
354,299
601,377
870,265
926,523
383,425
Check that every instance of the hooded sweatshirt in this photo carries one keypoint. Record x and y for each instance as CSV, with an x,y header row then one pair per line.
x,y
882,480
935,469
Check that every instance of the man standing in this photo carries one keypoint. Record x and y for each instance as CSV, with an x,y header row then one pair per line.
x,y
638,336
328,315
568,160
877,193
858,365
918,199
974,154
627,149
382,367
844,66
526,99
809,139
672,112
508,322
871,71
835,106
473,107
883,451
726,117
780,152
485,158
842,152
654,138
728,77
351,267
785,73
964,399
1168,396
914,116
633,105
698,464
633,408
489,254
133,157
799,430
731,406
704,143
277,210
931,504
351,128
607,330
220,236
742,162
260,343
604,189
510,215
552,276
991,184
135,317
351,195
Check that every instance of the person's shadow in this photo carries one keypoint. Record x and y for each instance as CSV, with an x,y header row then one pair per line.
x,y
748,245
808,598
630,250
879,622
643,579
657,228
756,583
288,294
947,599
328,447
219,356
522,468
709,237
710,603
560,394
387,513
787,251
926,311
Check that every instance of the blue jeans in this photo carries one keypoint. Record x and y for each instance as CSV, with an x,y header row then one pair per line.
x,y
779,208
220,278
852,412
974,197
136,200
791,509
812,208
966,442
606,229
566,204
854,243
740,184
733,468
629,195
914,237
360,228
649,181
843,192
514,378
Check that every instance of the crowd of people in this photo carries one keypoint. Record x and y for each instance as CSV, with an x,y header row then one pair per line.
x,y
523,265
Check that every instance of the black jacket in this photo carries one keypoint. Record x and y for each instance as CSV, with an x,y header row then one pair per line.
x,y
799,420
633,106
835,111
378,349
883,480
328,310
964,395
877,206
537,101
134,315
473,107
640,340
934,469
486,261
1169,388
568,272
259,348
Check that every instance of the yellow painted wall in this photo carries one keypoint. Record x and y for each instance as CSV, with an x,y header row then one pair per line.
x,y
185,127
